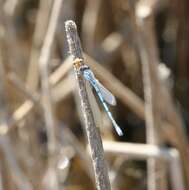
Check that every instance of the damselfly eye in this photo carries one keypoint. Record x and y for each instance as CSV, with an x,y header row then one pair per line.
x,y
83,68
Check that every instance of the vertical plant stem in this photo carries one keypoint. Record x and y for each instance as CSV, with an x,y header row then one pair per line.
x,y
46,92
150,122
44,69
94,139
149,56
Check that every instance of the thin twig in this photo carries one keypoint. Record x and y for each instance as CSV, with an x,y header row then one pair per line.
x,y
151,121
94,139
46,91
44,69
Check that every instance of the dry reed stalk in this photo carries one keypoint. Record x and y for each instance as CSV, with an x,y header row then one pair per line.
x,y
94,139
153,121
48,106
44,70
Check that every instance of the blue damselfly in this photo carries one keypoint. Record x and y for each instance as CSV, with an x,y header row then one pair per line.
x,y
103,94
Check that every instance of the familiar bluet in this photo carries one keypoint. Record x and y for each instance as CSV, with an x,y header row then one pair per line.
x,y
103,94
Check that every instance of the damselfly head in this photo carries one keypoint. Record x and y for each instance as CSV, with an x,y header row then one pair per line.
x,y
78,63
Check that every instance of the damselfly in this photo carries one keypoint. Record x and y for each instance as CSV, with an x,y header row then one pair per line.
x,y
103,94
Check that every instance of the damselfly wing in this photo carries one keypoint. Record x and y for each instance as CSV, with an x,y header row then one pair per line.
x,y
108,96
103,94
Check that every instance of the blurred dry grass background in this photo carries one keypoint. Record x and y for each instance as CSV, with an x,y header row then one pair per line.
x,y
138,49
